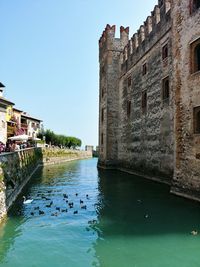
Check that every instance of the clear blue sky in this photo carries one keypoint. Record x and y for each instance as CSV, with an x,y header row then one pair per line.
x,y
49,57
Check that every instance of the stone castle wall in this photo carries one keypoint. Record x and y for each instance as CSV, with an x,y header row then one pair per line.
x,y
141,141
146,137
186,30
157,141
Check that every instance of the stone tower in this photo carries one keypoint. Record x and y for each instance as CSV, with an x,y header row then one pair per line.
x,y
110,49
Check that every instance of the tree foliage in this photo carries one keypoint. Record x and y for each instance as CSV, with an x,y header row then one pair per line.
x,y
60,140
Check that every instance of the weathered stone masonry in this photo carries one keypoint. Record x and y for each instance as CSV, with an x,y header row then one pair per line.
x,y
149,97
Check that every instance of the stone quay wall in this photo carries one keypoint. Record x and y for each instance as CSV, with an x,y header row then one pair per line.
x,y
16,169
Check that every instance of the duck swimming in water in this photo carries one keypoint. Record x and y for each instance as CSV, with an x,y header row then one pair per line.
x,y
41,212
194,232
27,201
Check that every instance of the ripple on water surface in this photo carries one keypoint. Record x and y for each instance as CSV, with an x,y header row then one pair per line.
x,y
81,217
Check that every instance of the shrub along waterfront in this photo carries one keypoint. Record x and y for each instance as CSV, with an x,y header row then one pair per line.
x,y
60,140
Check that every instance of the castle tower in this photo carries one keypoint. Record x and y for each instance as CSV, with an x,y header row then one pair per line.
x,y
110,49
186,65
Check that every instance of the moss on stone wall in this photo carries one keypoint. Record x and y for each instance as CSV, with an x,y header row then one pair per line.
x,y
59,153
16,167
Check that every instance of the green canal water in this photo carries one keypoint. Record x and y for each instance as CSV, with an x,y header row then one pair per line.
x,y
128,222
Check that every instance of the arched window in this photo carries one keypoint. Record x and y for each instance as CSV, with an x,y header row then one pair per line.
x,y
195,56
197,120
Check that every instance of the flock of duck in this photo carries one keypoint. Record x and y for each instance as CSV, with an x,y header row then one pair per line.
x,y
67,205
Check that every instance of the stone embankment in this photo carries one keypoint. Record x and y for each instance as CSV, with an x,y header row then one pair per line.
x,y
16,169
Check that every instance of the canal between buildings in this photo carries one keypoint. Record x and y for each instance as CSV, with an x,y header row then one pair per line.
x,y
127,222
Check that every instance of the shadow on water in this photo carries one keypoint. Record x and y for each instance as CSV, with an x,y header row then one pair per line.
x,y
132,205
141,224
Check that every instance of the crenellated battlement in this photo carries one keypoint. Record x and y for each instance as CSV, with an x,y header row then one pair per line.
x,y
109,32
108,41
149,32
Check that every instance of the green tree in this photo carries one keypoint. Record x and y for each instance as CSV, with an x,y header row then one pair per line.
x,y
60,140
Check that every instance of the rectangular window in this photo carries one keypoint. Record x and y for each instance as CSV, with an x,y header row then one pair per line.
x,y
128,108
102,115
144,68
102,92
144,101
102,139
195,56
165,90
196,120
165,51
194,5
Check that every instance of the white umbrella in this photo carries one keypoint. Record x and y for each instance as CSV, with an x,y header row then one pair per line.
x,y
35,139
22,137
